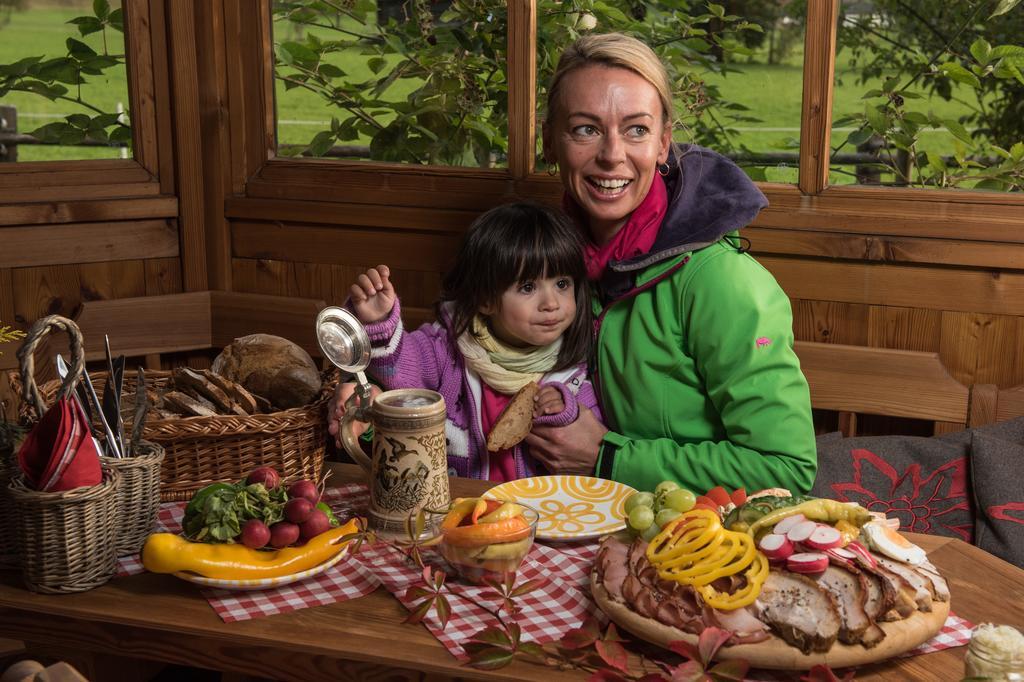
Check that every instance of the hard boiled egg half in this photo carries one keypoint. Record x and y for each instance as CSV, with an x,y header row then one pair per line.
x,y
884,539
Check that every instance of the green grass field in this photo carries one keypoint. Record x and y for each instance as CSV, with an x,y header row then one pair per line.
x,y
773,94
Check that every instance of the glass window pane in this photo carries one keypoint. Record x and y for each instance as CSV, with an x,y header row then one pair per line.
x,y
63,84
929,95
405,81
737,68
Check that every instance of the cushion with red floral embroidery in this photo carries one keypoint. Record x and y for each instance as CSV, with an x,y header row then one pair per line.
x,y
997,468
924,482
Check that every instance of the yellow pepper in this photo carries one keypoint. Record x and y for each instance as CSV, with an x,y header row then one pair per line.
x,y
170,553
756,575
820,509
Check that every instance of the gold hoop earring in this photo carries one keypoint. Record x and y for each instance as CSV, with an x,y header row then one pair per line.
x,y
663,169
553,169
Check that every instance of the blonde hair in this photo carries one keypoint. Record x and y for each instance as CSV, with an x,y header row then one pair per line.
x,y
614,50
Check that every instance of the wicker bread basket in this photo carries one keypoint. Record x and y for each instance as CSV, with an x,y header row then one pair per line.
x,y
199,451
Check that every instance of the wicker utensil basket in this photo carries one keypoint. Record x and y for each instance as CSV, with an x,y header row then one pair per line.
x,y
66,540
8,516
138,496
199,451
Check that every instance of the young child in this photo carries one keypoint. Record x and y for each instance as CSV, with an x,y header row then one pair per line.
x,y
514,309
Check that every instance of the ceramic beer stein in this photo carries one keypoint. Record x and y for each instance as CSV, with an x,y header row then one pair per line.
x,y
408,465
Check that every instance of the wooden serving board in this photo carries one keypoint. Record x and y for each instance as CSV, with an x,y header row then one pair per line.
x,y
900,636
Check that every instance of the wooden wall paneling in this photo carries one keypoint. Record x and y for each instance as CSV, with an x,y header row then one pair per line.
x,y
310,280
59,193
348,214
933,288
830,322
163,276
260,276
7,317
39,175
235,314
163,88
110,280
142,91
87,242
906,328
1000,353
188,145
88,211
522,86
989,255
302,243
215,137
816,110
1010,403
960,342
143,325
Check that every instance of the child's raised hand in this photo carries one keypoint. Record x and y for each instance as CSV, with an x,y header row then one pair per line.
x,y
548,401
373,295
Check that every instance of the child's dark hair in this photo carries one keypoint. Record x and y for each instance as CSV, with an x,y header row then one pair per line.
x,y
510,244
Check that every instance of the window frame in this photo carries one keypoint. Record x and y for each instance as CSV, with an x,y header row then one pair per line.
x,y
812,205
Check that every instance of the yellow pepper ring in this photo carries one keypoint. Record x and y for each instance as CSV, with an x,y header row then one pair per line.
x,y
677,545
723,556
687,558
756,576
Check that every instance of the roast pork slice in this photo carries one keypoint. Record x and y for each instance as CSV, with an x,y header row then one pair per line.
x,y
921,585
611,565
881,595
939,586
799,611
849,597
906,602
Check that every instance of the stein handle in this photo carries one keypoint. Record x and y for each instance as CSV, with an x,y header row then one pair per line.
x,y
354,411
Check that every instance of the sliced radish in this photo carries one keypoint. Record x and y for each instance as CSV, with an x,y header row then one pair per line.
x,y
776,547
824,537
807,562
862,553
801,531
785,524
841,557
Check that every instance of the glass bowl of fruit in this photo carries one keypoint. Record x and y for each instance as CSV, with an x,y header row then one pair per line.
x,y
484,539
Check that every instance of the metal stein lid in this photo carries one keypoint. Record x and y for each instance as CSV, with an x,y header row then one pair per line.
x,y
343,339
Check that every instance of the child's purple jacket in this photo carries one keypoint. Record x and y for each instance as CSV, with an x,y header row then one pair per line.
x,y
428,358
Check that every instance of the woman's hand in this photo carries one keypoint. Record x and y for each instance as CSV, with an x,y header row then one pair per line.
x,y
568,449
336,410
548,401
373,296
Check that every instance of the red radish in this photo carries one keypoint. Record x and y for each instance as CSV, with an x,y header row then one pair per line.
x,y
862,553
776,547
298,509
801,531
842,557
255,534
824,537
283,534
316,523
785,524
807,562
265,475
305,489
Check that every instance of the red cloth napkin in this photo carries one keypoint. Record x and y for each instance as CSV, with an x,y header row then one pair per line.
x,y
59,453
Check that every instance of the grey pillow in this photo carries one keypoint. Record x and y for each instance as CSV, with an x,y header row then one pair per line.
x,y
997,468
924,482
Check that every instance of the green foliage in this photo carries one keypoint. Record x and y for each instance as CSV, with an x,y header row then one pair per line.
x,y
943,50
62,78
451,67
7,335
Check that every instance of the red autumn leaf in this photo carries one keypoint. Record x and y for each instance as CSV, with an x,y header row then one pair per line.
x,y
711,640
730,671
612,634
532,649
514,633
528,586
418,592
419,613
691,671
685,649
613,654
652,677
719,496
444,610
494,636
583,636
605,675
490,658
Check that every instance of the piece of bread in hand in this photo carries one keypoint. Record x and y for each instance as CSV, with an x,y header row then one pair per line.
x,y
515,420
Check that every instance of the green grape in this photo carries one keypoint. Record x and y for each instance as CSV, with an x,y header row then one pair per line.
x,y
666,515
650,532
664,487
641,518
638,500
680,499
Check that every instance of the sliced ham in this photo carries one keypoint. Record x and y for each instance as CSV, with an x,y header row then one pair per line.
x,y
611,565
849,597
798,611
743,623
921,586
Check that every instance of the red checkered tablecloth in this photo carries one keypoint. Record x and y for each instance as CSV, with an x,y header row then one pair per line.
x,y
560,604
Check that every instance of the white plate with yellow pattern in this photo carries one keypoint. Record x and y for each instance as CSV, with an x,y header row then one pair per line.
x,y
570,507
263,583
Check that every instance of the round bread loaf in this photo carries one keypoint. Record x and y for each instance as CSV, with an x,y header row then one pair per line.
x,y
271,367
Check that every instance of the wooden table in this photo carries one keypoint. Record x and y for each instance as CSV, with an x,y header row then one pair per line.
x,y
107,631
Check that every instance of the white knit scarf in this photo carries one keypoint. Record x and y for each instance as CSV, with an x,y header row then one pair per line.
x,y
505,368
